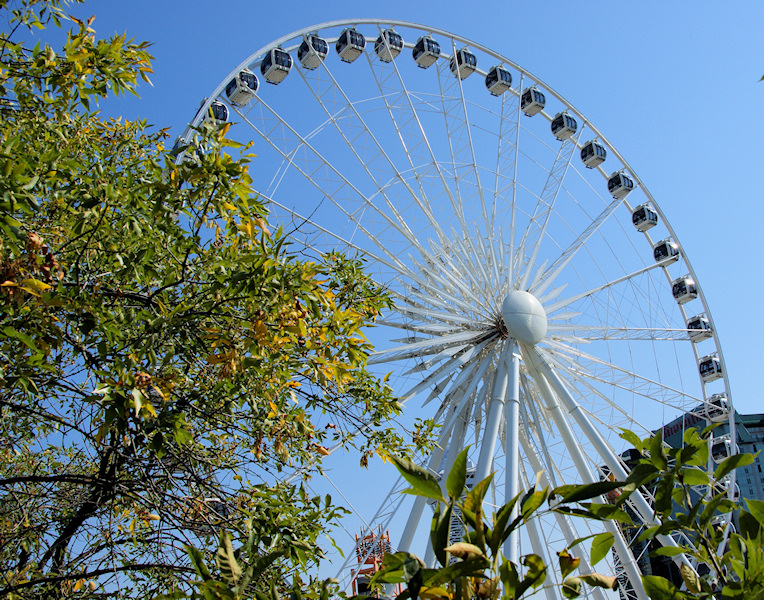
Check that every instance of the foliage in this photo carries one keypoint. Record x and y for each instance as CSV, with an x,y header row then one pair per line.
x,y
164,353
731,562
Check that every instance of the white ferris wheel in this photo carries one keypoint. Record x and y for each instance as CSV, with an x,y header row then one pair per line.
x,y
542,300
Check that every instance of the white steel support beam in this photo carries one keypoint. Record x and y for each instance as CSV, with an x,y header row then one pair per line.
x,y
604,450
512,443
582,465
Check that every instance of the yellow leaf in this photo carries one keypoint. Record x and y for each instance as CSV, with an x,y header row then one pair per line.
x,y
79,585
36,284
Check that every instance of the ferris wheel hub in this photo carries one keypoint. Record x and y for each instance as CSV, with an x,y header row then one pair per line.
x,y
524,317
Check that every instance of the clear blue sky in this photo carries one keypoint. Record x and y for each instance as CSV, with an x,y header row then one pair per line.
x,y
674,86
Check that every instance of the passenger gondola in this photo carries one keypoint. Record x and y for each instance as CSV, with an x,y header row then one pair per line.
x,y
699,328
644,217
312,51
388,45
216,112
593,154
242,88
620,185
276,65
666,251
463,63
350,45
426,51
716,410
710,368
498,80
563,126
721,449
532,101
684,289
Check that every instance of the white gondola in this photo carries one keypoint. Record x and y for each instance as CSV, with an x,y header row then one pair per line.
x,y
620,185
532,101
716,410
182,151
630,457
563,126
350,45
312,51
388,45
463,63
710,367
216,113
721,448
699,328
276,65
666,251
684,289
498,81
644,217
426,51
593,154
242,88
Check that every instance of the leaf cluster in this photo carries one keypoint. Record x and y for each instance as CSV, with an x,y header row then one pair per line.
x,y
715,559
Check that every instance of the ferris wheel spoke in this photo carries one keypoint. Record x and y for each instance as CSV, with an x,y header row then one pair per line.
x,y
446,370
356,133
332,184
553,308
619,376
409,128
536,230
465,393
589,333
464,174
550,275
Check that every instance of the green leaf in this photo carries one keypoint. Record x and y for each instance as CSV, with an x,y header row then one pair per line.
x,y
578,493
690,578
474,499
692,476
226,560
669,551
440,530
657,451
536,570
748,526
423,483
756,508
731,463
458,475
197,559
509,578
21,336
601,545
632,438
532,504
500,530
658,588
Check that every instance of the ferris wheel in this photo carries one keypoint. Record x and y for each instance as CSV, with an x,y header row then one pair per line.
x,y
542,300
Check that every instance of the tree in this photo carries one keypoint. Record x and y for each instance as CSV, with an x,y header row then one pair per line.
x,y
727,564
164,353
